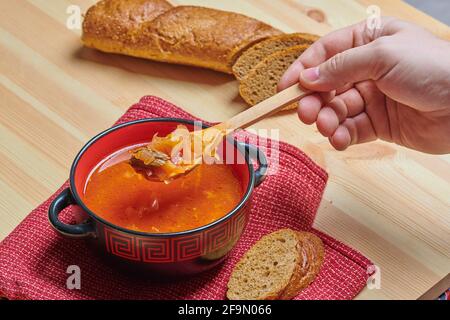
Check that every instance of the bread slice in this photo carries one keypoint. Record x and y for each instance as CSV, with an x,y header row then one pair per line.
x,y
312,253
262,81
261,50
188,35
265,271
278,266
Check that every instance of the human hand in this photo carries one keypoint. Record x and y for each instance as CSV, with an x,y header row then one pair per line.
x,y
391,83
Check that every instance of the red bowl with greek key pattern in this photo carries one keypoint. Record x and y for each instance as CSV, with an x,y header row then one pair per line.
x,y
179,253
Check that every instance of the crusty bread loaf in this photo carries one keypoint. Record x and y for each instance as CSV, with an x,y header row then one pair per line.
x,y
109,24
156,30
278,266
255,54
312,253
262,81
264,272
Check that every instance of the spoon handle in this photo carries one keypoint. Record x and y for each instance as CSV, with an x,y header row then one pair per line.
x,y
265,108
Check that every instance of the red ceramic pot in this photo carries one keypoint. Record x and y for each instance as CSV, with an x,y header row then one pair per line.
x,y
179,253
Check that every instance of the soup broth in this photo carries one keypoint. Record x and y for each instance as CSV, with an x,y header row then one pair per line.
x,y
120,195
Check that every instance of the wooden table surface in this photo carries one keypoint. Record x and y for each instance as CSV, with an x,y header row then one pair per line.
x,y
390,203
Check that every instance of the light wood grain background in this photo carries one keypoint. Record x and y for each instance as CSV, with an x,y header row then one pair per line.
x,y
390,203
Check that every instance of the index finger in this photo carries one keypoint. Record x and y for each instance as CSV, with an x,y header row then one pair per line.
x,y
323,49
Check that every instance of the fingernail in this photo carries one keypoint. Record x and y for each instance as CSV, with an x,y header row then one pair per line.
x,y
311,74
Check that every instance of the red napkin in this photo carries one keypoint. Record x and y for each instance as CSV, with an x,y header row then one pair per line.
x,y
34,258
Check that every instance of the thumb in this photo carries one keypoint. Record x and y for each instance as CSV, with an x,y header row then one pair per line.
x,y
350,66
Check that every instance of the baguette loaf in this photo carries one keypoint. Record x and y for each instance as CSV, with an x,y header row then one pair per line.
x,y
156,30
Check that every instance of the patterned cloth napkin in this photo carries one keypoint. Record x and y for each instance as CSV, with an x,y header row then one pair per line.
x,y
34,258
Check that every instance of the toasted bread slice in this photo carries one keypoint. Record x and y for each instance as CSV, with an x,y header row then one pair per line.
x,y
265,271
262,81
312,252
261,50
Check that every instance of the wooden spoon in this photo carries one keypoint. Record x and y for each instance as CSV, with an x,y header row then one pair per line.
x,y
156,165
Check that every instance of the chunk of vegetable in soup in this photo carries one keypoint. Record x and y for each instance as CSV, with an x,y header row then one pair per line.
x,y
125,198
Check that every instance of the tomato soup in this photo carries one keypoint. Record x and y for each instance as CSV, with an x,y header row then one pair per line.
x,y
120,195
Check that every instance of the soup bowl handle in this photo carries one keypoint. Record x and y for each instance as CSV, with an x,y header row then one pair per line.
x,y
62,201
253,152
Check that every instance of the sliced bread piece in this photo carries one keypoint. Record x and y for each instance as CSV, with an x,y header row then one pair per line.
x,y
265,271
261,82
312,252
260,51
